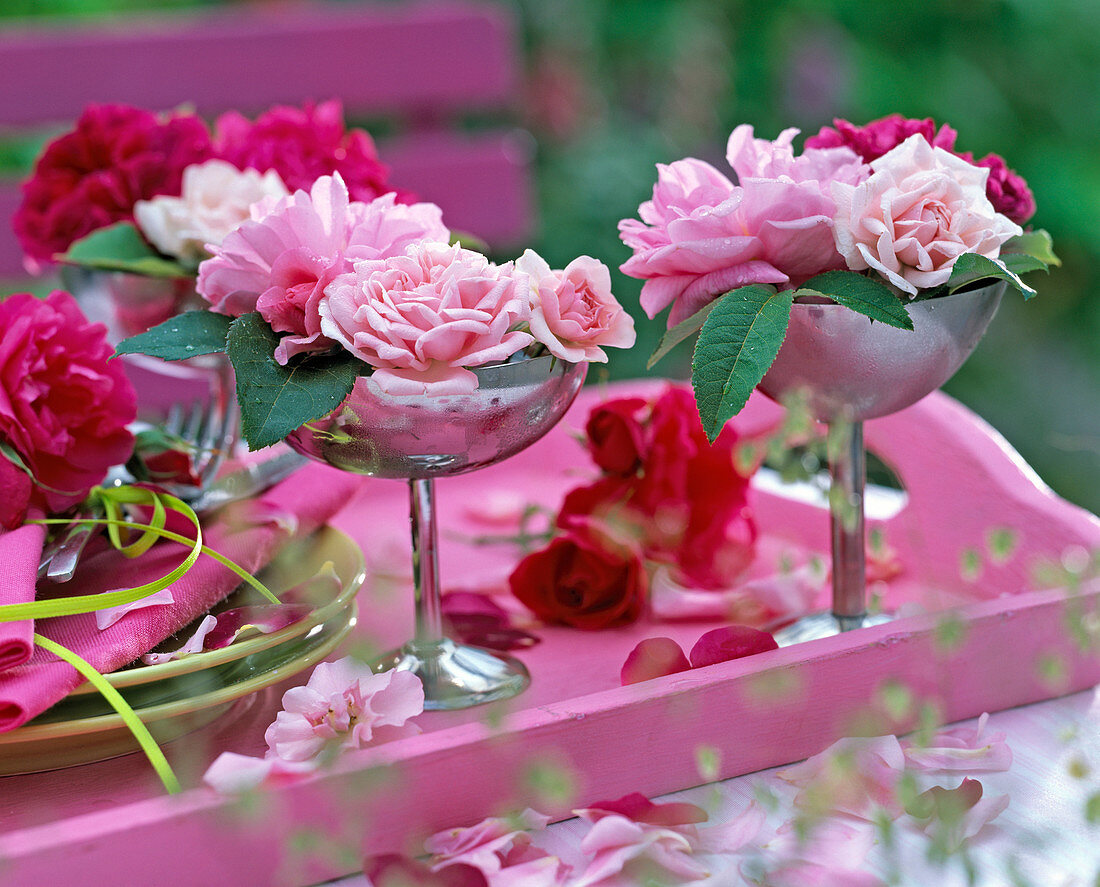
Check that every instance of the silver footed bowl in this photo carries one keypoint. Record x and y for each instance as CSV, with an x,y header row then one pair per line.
x,y
420,436
854,369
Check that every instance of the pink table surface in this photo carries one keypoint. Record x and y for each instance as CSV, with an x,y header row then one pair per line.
x,y
90,797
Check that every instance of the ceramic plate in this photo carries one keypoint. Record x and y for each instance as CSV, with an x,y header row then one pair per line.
x,y
178,697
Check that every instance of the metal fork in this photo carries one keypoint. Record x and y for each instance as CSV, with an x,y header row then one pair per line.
x,y
208,429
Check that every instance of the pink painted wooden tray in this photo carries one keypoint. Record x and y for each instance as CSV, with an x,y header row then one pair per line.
x,y
972,539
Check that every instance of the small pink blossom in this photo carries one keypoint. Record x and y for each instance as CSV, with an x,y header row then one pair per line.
x,y
280,261
961,748
421,318
233,773
215,197
919,211
573,312
853,775
345,705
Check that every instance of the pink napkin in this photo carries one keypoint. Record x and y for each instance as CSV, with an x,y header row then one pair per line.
x,y
249,536
20,551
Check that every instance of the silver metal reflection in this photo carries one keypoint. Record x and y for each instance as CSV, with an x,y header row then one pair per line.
x,y
849,369
420,438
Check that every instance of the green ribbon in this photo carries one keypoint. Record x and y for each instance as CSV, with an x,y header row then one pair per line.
x,y
112,502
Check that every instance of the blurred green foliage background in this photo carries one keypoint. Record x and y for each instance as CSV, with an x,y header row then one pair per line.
x,y
615,86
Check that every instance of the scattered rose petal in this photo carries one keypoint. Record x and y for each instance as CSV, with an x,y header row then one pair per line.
x,y
498,508
829,852
232,773
769,600
108,617
475,619
639,808
652,658
393,870
626,852
850,776
954,815
730,642
192,645
261,618
481,845
961,748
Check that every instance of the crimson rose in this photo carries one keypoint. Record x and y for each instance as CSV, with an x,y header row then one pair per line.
x,y
92,177
63,407
582,581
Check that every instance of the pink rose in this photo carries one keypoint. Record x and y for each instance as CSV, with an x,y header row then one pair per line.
x,y
573,312
64,407
758,158
421,317
919,211
215,198
701,236
280,262
92,176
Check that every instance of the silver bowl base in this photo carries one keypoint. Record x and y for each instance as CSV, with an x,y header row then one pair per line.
x,y
825,625
457,675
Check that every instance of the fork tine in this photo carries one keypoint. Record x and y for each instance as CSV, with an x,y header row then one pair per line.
x,y
173,420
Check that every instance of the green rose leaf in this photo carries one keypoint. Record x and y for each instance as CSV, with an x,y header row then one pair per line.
x,y
736,346
180,337
120,247
678,333
1036,244
970,269
860,293
274,399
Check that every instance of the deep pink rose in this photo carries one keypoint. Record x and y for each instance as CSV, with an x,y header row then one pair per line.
x,y
573,312
63,407
1006,189
422,317
92,177
919,211
303,144
701,236
280,262
874,139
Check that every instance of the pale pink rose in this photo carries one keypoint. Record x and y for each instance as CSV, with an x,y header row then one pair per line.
x,y
573,312
760,159
921,209
344,705
961,748
701,236
854,775
280,261
422,317
215,198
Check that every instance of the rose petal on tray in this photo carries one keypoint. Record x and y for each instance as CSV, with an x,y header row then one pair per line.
x,y
730,642
653,658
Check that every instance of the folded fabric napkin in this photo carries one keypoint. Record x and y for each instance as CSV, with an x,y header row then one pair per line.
x,y
249,536
20,551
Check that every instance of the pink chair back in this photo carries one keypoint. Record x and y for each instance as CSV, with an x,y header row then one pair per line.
x,y
421,67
